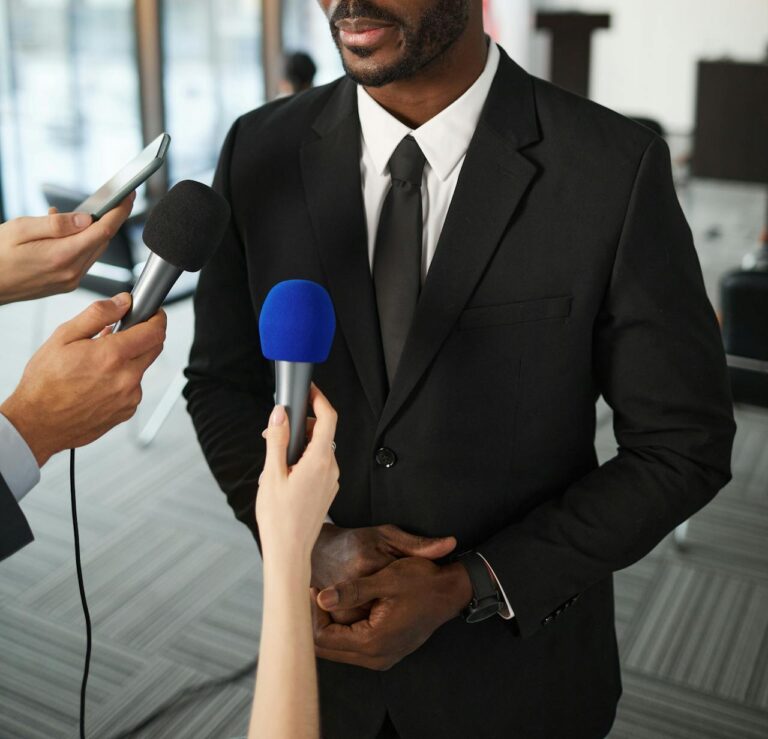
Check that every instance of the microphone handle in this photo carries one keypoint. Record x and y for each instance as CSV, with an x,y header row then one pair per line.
x,y
292,381
156,280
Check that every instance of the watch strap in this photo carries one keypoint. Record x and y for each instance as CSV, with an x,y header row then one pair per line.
x,y
484,589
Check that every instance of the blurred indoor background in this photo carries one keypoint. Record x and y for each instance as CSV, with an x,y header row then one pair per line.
x,y
173,581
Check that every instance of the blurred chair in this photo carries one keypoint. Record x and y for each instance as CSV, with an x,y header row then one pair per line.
x,y
116,271
744,304
744,301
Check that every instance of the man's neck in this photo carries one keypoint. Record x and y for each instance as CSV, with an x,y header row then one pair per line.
x,y
416,100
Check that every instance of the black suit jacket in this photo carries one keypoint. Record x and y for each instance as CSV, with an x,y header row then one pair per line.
x,y
14,529
565,270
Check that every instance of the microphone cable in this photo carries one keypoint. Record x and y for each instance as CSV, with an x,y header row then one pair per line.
x,y
83,599
175,701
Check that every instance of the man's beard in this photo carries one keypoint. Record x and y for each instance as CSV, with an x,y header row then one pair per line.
x,y
437,30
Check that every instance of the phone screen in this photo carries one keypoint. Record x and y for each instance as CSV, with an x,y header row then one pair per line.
x,y
135,173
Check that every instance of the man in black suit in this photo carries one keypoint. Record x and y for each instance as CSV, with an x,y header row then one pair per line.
x,y
500,253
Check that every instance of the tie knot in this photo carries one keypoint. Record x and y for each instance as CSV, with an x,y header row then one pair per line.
x,y
407,162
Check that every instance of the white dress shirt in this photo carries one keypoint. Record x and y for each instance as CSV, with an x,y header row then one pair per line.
x,y
18,465
444,140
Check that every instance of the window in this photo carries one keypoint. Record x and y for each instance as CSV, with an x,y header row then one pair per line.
x,y
213,74
69,101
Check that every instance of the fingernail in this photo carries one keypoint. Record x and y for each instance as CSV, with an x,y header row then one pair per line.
x,y
122,300
82,220
278,417
329,598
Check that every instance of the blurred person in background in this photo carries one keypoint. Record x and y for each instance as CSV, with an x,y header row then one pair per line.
x,y
74,389
300,71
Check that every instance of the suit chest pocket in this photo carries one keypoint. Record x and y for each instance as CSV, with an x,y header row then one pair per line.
x,y
542,309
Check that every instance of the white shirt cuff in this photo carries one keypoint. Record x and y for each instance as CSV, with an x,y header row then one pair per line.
x,y
18,465
328,519
506,612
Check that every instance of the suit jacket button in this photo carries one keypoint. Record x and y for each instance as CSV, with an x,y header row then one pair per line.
x,y
385,457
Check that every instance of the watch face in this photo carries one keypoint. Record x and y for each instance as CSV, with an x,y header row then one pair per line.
x,y
481,612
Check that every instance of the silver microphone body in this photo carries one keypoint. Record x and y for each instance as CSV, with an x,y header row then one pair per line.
x,y
292,381
156,280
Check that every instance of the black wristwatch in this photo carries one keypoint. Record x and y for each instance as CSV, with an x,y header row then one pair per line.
x,y
486,601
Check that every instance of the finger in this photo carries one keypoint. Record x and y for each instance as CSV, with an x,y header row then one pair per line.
x,y
324,428
142,338
320,619
115,218
356,593
97,236
277,435
94,318
88,258
310,427
52,211
353,639
352,658
53,226
145,361
352,616
413,545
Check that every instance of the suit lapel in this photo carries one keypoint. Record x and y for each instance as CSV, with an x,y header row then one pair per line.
x,y
331,172
494,178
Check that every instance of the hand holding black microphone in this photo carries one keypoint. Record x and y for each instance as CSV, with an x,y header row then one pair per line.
x,y
183,231
74,390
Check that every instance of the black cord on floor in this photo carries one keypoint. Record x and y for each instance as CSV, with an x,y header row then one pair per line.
x,y
176,701
81,585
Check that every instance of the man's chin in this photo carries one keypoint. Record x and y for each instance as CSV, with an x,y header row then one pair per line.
x,y
370,68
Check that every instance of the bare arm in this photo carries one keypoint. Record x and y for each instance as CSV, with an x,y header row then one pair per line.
x,y
286,700
290,509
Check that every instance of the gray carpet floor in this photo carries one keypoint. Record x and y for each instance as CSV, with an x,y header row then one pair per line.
x,y
174,582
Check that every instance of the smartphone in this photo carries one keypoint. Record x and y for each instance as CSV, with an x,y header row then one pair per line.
x,y
133,174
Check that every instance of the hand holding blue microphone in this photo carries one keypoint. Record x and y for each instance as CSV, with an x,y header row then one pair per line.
x,y
297,326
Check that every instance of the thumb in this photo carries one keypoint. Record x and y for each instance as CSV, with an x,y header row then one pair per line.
x,y
94,318
53,226
354,593
277,435
411,545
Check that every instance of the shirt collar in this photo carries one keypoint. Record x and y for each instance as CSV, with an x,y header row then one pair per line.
x,y
444,139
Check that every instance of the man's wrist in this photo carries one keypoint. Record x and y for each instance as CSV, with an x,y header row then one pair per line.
x,y
460,591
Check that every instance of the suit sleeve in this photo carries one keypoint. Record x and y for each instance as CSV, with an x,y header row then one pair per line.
x,y
14,529
230,385
659,362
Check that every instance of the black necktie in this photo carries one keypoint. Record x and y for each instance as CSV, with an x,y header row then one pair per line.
x,y
397,258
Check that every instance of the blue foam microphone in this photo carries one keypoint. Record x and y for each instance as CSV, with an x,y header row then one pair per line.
x,y
297,325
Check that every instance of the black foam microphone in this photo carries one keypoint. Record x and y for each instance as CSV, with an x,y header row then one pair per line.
x,y
183,231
